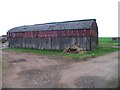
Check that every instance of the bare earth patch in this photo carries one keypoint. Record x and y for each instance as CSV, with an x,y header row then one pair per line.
x,y
26,70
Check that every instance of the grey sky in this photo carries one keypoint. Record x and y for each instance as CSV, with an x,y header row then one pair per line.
x,y
28,12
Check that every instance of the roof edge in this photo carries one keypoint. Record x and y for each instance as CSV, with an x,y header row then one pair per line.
x,y
66,21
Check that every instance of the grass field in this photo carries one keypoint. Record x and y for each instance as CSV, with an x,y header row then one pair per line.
x,y
105,46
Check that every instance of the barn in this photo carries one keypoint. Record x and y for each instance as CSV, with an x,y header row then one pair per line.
x,y
55,35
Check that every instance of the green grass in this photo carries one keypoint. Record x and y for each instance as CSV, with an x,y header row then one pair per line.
x,y
105,46
107,41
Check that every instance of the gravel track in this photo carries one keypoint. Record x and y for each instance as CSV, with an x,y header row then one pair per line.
x,y
40,71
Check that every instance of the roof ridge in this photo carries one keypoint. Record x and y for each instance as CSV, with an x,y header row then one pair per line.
x,y
66,21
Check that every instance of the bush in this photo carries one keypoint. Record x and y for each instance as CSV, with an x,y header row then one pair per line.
x,y
4,40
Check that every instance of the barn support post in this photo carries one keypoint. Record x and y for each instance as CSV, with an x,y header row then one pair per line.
x,y
26,42
39,43
29,42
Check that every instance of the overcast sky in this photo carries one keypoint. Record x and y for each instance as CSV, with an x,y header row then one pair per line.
x,y
15,13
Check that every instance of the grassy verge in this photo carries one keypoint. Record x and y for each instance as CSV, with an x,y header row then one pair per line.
x,y
105,46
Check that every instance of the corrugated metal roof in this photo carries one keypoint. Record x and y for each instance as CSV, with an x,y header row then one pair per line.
x,y
67,25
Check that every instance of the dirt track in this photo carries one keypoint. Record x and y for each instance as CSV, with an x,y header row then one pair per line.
x,y
25,70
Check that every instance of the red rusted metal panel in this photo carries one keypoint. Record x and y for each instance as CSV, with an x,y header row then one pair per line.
x,y
92,32
10,34
59,33
51,33
31,34
39,34
28,34
15,35
20,34
96,33
74,32
48,33
80,32
43,34
70,32
34,34
84,32
25,34
67,33
87,33
54,33
63,33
